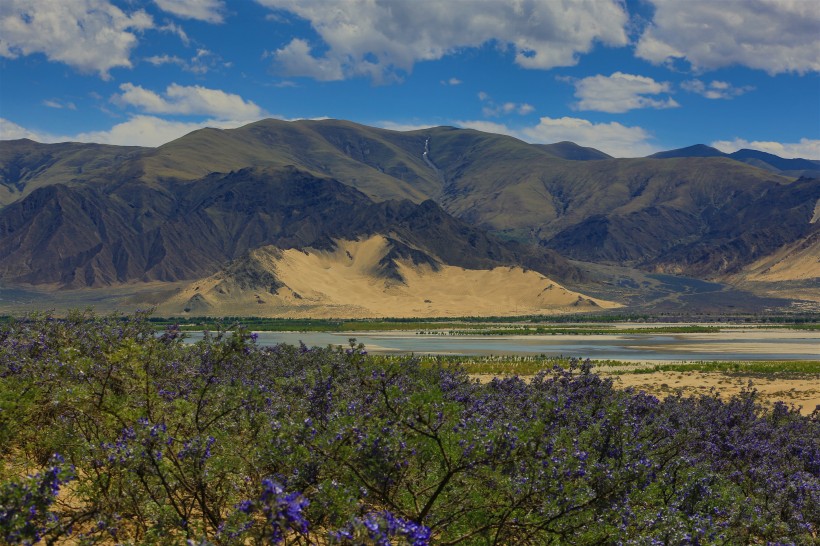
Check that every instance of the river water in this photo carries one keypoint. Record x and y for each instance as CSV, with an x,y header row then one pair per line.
x,y
747,344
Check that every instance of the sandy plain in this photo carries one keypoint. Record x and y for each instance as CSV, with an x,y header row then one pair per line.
x,y
803,392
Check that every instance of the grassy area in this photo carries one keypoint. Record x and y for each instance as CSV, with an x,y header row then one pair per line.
x,y
752,367
500,326
530,365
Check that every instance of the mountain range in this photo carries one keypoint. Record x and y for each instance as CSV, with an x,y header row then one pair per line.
x,y
219,204
756,158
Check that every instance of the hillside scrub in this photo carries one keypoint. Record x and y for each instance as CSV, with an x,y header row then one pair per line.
x,y
113,433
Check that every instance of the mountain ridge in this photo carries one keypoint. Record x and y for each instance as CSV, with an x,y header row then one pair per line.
x,y
797,167
79,215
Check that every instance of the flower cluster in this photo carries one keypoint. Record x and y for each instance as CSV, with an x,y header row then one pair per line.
x,y
25,504
382,529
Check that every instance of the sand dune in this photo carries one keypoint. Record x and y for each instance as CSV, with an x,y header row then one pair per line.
x,y
349,281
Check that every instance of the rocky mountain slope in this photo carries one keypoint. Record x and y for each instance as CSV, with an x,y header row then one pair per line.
x,y
89,235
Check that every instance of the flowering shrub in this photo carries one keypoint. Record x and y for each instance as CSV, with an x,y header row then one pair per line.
x,y
25,515
222,442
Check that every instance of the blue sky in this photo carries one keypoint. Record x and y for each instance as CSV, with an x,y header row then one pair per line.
x,y
629,78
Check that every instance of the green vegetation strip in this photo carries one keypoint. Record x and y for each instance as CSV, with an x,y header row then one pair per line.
x,y
525,325
485,326
531,365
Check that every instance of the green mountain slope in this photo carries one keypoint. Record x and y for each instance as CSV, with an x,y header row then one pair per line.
x,y
26,165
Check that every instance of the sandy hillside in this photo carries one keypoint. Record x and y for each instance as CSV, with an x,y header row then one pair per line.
x,y
796,262
349,282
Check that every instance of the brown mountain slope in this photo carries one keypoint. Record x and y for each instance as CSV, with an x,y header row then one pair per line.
x,y
93,235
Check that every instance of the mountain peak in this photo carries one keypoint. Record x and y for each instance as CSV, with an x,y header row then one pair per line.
x,y
697,150
572,151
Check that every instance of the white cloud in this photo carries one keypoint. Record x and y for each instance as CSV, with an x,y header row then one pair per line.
x,y
192,100
613,138
715,89
55,103
451,81
807,148
210,11
620,93
772,35
176,29
382,39
159,60
151,131
11,131
295,60
491,109
137,131
89,35
201,63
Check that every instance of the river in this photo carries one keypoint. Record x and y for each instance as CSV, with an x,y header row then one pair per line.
x,y
740,344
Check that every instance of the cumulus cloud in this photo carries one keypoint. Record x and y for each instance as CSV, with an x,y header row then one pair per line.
x,y
152,131
209,11
382,39
11,131
190,100
613,138
715,89
139,130
807,148
772,35
89,35
295,59
451,81
620,93
491,109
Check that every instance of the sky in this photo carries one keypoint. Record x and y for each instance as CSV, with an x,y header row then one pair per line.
x,y
628,77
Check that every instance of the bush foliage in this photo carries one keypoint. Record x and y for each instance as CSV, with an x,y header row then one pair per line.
x,y
110,433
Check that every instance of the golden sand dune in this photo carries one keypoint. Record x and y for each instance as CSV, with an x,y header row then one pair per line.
x,y
350,281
